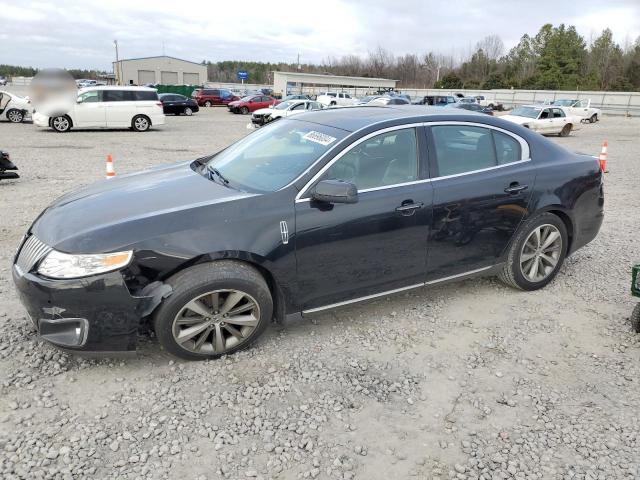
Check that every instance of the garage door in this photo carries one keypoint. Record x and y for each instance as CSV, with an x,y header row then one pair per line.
x,y
191,78
146,76
169,78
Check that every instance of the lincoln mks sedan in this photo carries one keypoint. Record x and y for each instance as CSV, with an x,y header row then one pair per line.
x,y
311,212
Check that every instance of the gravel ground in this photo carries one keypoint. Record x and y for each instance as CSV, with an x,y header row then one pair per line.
x,y
467,380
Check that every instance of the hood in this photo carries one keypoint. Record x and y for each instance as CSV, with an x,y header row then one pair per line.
x,y
263,111
101,216
517,119
235,103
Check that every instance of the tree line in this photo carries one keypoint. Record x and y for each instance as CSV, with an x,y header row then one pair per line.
x,y
556,58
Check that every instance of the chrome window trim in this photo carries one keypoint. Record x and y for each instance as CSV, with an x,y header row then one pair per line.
x,y
346,150
488,169
396,290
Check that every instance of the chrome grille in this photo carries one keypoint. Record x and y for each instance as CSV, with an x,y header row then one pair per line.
x,y
32,250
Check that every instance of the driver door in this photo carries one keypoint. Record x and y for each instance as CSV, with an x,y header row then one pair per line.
x,y
90,111
379,244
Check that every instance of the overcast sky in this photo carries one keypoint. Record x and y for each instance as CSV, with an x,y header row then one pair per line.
x,y
80,34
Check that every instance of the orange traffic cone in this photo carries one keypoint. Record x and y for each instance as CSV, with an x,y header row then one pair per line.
x,y
602,159
110,171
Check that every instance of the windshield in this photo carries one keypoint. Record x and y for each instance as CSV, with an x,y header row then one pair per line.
x,y
564,103
273,156
247,98
284,105
529,112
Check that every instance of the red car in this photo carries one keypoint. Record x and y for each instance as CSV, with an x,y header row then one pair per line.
x,y
251,103
207,97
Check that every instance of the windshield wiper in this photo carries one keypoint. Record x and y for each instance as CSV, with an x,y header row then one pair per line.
x,y
215,171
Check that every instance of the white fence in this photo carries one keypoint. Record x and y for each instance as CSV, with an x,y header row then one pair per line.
x,y
617,103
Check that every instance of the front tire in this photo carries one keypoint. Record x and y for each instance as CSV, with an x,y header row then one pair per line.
x,y
207,103
215,309
15,116
244,110
594,118
188,112
536,253
140,123
566,130
61,123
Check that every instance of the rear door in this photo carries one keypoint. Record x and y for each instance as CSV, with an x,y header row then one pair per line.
x,y
120,107
482,181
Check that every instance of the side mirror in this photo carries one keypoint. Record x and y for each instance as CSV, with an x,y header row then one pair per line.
x,y
335,191
79,100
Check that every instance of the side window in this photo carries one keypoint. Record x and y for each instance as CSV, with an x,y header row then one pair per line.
x,y
93,96
300,106
545,114
113,96
557,113
141,95
386,159
461,148
508,149
346,95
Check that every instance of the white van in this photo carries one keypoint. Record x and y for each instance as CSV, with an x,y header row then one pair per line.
x,y
137,108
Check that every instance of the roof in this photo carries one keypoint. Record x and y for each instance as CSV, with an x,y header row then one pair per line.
x,y
358,117
159,56
116,87
321,75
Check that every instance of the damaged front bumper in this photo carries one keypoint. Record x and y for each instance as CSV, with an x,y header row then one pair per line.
x,y
92,314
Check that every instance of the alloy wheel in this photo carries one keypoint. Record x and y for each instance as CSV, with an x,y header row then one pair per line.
x,y
141,123
188,112
216,321
61,124
15,116
541,252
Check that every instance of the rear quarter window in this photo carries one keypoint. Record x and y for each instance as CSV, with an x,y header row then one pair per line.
x,y
144,96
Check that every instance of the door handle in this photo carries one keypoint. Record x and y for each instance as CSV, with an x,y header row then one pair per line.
x,y
515,188
409,208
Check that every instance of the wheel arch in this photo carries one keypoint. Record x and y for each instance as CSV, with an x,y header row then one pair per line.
x,y
564,215
258,262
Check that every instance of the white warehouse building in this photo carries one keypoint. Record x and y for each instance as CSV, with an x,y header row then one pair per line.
x,y
163,70
286,83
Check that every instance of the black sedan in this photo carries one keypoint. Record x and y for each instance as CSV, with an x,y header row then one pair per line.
x,y
308,213
175,104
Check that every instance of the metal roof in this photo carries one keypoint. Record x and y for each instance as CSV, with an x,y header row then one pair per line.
x,y
159,56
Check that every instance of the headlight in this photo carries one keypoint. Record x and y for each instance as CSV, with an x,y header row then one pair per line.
x,y
63,265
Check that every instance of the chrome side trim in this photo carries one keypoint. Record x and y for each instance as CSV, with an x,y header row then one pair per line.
x,y
361,299
464,274
346,150
396,290
385,187
488,169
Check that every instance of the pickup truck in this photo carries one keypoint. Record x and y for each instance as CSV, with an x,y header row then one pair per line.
x,y
492,104
331,99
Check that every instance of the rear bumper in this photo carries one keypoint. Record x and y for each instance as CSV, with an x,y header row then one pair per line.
x,y
94,314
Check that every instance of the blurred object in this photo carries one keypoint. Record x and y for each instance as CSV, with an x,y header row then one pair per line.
x,y
53,89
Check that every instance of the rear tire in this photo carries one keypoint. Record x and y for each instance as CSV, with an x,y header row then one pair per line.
x,y
519,270
61,123
566,130
140,123
15,116
635,318
198,286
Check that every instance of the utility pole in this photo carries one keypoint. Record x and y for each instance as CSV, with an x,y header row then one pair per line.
x,y
117,69
299,67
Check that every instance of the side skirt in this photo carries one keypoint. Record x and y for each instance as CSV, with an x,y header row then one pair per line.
x,y
484,271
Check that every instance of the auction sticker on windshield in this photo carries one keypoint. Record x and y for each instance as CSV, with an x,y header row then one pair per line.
x,y
318,137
